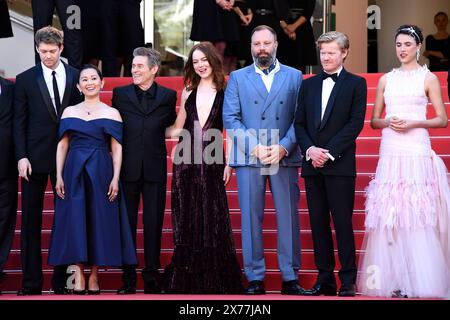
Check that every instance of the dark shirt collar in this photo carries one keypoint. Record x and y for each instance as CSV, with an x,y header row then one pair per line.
x,y
151,92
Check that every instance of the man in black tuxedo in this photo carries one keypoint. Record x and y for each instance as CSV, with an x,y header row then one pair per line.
x,y
43,16
8,174
330,116
41,94
147,109
5,22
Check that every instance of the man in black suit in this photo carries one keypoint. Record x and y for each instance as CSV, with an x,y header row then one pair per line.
x,y
122,31
41,94
8,174
43,16
5,22
330,116
147,109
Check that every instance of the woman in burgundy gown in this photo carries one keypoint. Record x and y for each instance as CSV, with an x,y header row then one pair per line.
x,y
204,258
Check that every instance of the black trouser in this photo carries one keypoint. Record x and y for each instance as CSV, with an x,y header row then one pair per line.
x,y
8,214
30,236
154,202
43,16
335,194
122,32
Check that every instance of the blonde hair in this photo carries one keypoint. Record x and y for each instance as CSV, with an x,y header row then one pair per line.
x,y
341,39
49,35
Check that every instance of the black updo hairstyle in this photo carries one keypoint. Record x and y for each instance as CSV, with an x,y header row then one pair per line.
x,y
411,30
91,66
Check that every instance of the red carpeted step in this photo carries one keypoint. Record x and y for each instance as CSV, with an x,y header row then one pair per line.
x,y
367,131
307,260
362,180
111,280
233,202
270,239
176,82
364,163
270,222
371,145
430,112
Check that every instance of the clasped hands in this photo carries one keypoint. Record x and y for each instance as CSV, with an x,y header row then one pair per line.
x,y
318,157
225,5
400,125
269,154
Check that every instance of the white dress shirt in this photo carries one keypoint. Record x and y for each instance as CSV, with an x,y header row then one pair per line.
x,y
60,80
268,79
327,88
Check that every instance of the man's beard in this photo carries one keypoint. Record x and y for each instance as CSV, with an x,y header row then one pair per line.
x,y
266,61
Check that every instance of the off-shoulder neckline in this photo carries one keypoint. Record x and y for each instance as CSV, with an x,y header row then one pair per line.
x,y
91,119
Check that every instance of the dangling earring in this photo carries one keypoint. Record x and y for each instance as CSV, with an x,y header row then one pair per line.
x,y
418,55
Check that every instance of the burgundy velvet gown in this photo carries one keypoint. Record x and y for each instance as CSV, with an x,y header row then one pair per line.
x,y
204,259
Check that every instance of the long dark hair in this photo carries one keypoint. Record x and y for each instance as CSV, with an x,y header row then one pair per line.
x,y
192,79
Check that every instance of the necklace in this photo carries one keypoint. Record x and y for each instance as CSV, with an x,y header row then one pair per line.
x,y
85,109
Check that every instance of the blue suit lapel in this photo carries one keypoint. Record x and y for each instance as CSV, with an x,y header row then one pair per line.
x,y
334,92
256,81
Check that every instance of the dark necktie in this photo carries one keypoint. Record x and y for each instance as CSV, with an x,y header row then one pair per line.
x,y
56,94
333,76
269,69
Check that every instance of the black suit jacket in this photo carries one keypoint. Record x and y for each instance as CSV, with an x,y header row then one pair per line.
x,y
8,168
5,22
36,123
341,124
144,143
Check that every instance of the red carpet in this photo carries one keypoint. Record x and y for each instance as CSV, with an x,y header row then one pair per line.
x,y
367,157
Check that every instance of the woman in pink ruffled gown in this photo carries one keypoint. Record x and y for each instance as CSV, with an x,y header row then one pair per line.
x,y
408,202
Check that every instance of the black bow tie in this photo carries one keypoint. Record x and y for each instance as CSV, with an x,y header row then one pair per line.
x,y
333,76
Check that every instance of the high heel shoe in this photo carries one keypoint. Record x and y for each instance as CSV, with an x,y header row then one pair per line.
x,y
79,292
93,292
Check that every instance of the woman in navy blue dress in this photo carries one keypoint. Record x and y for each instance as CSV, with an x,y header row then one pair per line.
x,y
91,224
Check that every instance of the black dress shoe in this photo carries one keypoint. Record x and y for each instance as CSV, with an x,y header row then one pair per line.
x,y
127,289
292,288
152,288
61,291
347,290
321,289
29,292
255,287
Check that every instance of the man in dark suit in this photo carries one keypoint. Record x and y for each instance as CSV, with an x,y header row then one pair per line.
x,y
147,109
41,94
5,22
122,31
330,116
43,16
8,174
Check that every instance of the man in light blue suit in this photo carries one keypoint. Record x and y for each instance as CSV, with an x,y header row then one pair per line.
x,y
258,114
